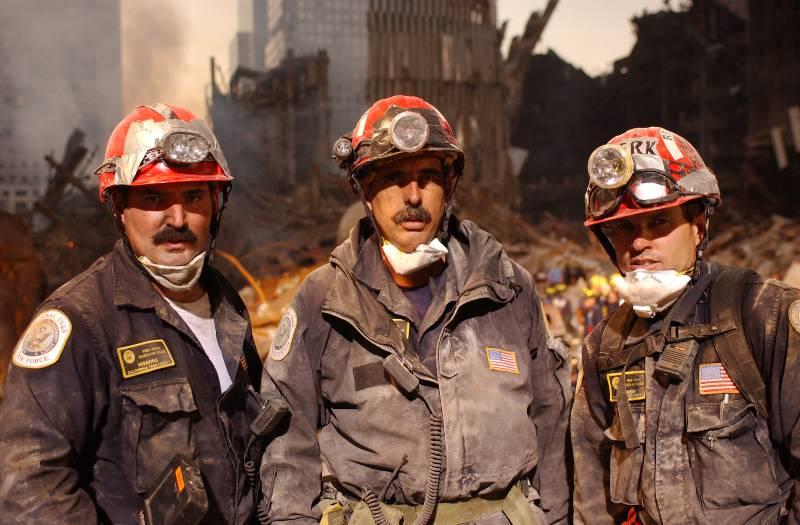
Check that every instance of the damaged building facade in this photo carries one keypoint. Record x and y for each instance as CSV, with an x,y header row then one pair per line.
x,y
709,72
449,54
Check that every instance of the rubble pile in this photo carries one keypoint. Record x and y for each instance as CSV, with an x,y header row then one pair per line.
x,y
769,245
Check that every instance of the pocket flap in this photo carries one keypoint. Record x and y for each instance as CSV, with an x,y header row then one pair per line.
x,y
173,395
702,417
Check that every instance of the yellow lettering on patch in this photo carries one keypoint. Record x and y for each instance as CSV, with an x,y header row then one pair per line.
x,y
145,357
634,385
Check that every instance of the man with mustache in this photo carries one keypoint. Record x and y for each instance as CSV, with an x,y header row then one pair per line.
x,y
688,407
417,363
146,355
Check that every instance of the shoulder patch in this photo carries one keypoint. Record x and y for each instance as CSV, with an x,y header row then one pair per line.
x,y
284,336
794,315
44,340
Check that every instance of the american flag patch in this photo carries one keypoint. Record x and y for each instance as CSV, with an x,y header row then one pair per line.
x,y
714,379
502,360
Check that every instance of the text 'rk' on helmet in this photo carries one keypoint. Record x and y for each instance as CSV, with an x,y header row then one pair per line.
x,y
642,170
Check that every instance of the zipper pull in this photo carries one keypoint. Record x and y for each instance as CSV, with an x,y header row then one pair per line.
x,y
711,437
722,408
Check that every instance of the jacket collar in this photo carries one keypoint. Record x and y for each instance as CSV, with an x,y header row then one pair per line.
x,y
476,261
475,258
134,288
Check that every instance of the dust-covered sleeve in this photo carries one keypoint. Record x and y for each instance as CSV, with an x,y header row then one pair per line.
x,y
291,469
780,366
53,400
552,396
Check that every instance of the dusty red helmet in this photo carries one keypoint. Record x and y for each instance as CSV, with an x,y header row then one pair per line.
x,y
646,169
161,144
398,126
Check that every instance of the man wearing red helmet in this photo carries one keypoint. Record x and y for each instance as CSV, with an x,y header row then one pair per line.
x,y
146,355
417,363
688,407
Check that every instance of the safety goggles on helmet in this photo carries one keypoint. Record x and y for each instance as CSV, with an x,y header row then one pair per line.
x,y
174,141
645,188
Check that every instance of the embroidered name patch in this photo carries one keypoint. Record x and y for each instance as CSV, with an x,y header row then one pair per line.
x,y
794,315
143,358
502,360
283,336
634,385
43,341
714,379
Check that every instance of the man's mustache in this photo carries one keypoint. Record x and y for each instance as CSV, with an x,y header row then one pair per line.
x,y
413,214
171,235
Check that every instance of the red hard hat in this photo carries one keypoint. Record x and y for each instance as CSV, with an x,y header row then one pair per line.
x,y
685,167
397,126
135,155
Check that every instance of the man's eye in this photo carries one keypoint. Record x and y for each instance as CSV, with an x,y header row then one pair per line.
x,y
152,199
394,178
194,198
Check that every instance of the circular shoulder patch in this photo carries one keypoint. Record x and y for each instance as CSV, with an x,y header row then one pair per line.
x,y
283,336
794,315
43,341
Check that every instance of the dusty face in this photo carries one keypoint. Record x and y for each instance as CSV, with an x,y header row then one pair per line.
x,y
659,240
168,223
408,197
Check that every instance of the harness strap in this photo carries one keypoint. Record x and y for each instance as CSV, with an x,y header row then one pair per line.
x,y
732,347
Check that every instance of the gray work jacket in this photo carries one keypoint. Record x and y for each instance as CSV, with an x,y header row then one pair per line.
x,y
503,394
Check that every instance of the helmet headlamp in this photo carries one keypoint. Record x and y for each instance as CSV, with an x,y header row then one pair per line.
x,y
175,141
610,166
342,149
409,131
185,148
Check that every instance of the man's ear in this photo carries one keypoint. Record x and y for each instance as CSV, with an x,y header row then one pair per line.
x,y
119,205
699,226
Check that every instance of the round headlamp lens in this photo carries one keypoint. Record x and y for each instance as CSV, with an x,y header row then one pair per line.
x,y
409,131
185,148
342,148
610,166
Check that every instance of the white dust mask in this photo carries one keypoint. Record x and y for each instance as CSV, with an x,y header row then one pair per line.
x,y
175,278
650,292
424,255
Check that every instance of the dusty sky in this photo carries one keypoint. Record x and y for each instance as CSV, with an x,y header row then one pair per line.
x,y
166,57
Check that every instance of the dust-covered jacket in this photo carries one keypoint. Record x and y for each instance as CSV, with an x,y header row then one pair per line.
x,y
705,451
502,391
85,436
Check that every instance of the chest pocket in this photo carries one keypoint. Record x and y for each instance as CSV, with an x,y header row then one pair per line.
x,y
721,445
626,464
158,418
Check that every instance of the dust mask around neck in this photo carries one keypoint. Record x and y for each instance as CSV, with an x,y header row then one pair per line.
x,y
650,292
175,278
424,255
